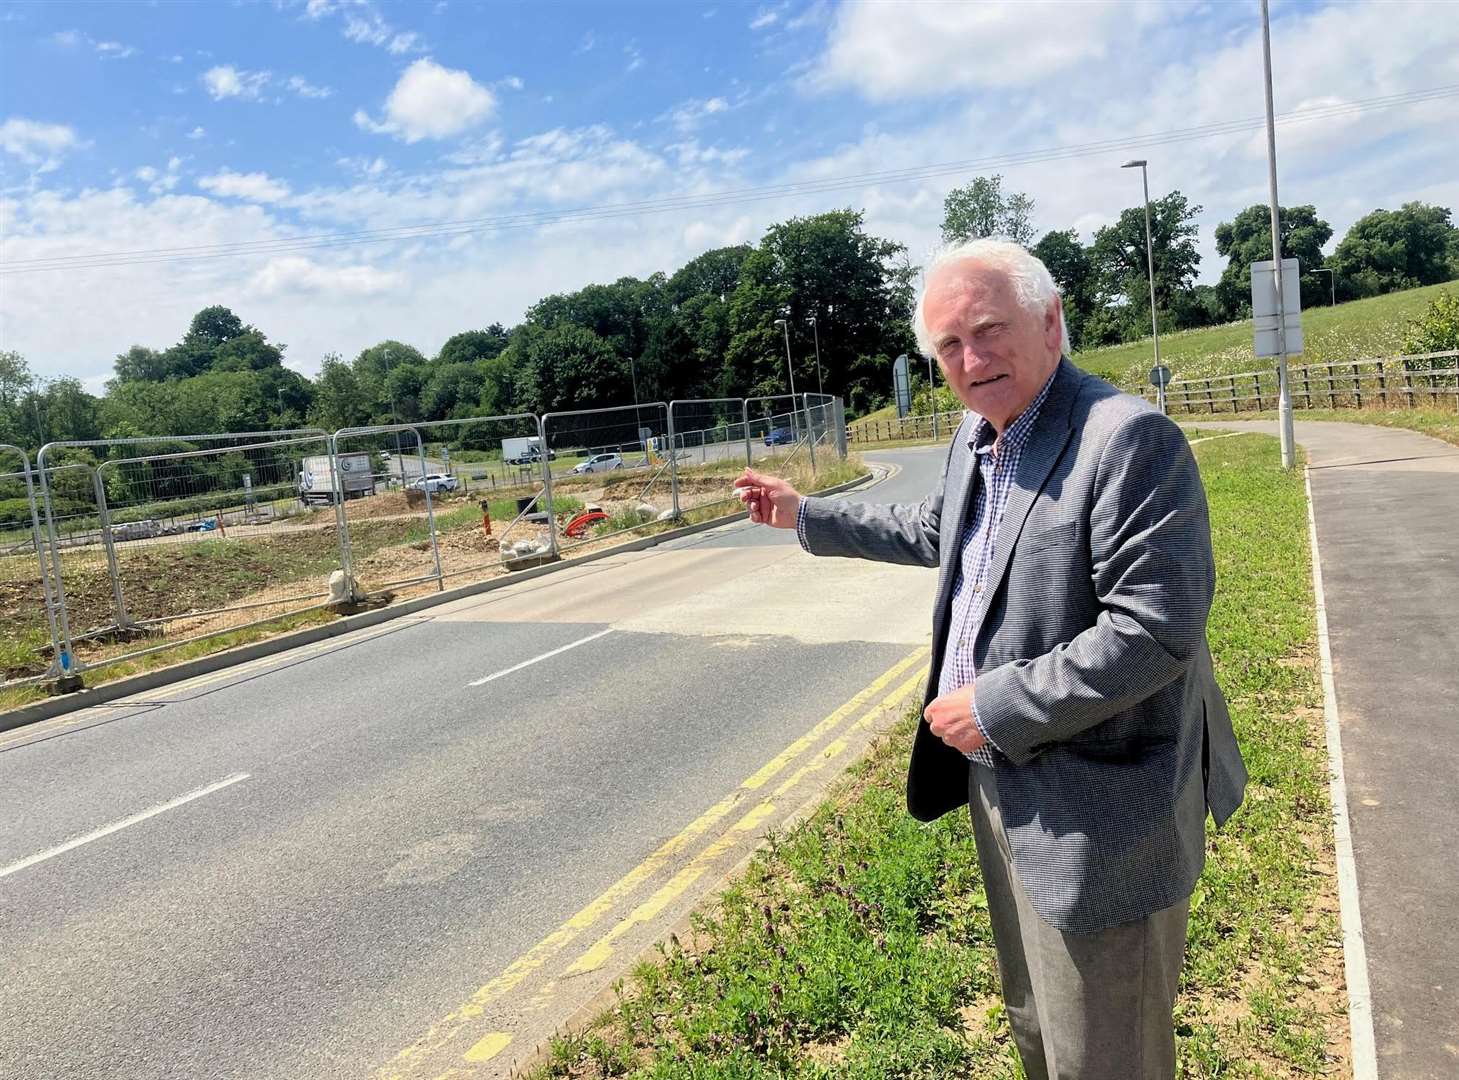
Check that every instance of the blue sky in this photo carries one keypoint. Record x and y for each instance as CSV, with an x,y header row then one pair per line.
x,y
171,127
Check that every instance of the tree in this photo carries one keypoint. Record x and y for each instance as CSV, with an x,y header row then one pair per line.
x,y
1072,268
1389,250
1248,238
1124,284
858,286
981,209
564,367
140,364
472,345
373,366
451,387
339,399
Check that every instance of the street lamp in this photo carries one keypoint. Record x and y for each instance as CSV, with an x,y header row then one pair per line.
x,y
790,371
1150,267
820,386
1331,281
281,407
637,416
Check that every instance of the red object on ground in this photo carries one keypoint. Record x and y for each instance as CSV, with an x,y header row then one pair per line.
x,y
579,525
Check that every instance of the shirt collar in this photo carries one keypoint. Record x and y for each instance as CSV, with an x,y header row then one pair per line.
x,y
984,436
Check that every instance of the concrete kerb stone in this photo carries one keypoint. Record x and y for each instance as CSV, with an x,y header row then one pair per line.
x,y
205,665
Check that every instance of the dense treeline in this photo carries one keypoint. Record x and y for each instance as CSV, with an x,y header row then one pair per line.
x,y
710,328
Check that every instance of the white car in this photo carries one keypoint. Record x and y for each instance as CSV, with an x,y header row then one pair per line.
x,y
599,463
435,483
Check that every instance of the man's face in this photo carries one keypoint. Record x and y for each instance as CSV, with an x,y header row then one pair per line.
x,y
995,353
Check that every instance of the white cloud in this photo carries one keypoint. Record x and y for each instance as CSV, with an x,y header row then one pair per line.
x,y
363,166
635,57
763,19
404,43
512,82
107,50
304,88
146,174
254,187
157,181
197,132
689,115
587,43
431,102
37,144
900,49
294,274
227,81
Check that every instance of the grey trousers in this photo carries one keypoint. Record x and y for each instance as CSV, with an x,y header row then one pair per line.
x,y
1082,1006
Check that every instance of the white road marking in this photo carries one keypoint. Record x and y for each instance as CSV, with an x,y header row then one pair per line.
x,y
539,659
115,826
1228,435
1355,953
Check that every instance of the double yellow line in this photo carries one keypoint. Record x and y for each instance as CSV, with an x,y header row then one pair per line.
x,y
410,1061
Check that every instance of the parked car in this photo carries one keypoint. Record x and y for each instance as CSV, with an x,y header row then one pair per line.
x,y
531,456
435,483
599,463
779,436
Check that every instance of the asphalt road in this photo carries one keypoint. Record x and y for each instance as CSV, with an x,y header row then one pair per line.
x,y
400,852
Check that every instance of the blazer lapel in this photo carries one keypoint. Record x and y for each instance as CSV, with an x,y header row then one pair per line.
x,y
1046,442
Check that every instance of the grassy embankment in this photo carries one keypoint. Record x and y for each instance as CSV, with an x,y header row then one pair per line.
x,y
1359,330
858,945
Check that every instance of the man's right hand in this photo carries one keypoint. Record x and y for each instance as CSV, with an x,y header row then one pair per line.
x,y
770,500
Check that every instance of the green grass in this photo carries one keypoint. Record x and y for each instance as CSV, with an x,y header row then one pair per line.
x,y
857,944
1354,331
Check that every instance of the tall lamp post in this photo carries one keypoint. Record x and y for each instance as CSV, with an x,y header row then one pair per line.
x,y
790,371
1284,390
1331,281
820,386
637,416
1149,266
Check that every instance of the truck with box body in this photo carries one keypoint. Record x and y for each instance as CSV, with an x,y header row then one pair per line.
x,y
526,450
316,478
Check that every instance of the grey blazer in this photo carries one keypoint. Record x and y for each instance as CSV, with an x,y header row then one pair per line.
x,y
1094,675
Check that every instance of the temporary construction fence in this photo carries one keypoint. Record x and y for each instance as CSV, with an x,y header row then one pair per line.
x,y
30,651
115,549
151,542
1390,382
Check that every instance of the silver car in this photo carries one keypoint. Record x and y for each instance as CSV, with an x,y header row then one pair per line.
x,y
599,463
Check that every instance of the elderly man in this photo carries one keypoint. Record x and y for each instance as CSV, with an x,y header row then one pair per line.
x,y
1071,703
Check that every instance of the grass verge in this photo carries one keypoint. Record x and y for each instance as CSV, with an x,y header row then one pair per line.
x,y
858,944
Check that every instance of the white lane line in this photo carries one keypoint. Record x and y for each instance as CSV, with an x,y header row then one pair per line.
x,y
1355,953
1228,435
115,826
539,659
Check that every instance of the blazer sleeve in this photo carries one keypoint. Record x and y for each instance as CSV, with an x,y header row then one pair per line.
x,y
886,532
1154,575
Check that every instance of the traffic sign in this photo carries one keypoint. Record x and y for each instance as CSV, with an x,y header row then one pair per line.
x,y
1159,375
1264,316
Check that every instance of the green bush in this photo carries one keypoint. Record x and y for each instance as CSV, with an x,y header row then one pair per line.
x,y
1437,329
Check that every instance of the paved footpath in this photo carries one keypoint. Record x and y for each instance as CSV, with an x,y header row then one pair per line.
x,y
1387,509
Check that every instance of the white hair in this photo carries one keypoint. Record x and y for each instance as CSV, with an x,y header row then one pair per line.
x,y
1032,283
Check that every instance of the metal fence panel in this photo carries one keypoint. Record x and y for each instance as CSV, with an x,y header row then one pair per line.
x,y
448,494
614,473
384,498
711,440
30,643
183,538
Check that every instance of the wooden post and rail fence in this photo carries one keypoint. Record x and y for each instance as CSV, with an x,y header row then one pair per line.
x,y
1390,382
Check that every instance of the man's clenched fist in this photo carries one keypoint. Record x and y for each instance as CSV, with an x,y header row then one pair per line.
x,y
951,719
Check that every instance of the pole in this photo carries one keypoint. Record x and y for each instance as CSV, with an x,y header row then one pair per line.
x,y
637,417
1150,269
816,330
1284,393
931,396
790,371
1331,281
